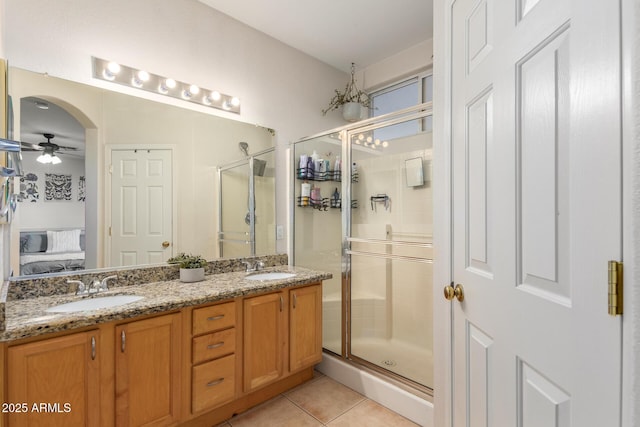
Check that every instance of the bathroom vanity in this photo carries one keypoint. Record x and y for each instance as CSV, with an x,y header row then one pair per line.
x,y
184,354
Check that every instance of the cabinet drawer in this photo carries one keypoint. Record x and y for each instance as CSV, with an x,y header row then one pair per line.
x,y
210,346
209,319
213,383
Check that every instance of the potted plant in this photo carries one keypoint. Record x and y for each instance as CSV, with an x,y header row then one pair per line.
x,y
351,100
191,266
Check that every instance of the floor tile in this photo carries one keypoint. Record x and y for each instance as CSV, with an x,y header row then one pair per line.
x,y
324,398
278,412
370,414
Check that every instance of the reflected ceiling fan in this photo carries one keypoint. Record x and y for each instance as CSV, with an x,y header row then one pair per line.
x,y
49,149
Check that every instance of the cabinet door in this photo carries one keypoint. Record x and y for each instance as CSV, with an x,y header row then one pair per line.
x,y
55,382
264,343
148,371
305,327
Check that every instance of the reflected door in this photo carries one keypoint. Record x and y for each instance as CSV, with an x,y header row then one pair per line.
x,y
141,206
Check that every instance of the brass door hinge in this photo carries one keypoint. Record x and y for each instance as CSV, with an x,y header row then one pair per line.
x,y
615,288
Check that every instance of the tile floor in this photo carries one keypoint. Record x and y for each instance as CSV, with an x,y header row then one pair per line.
x,y
319,402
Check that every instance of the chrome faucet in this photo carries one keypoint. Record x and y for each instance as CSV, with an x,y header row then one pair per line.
x,y
94,287
251,267
104,285
81,289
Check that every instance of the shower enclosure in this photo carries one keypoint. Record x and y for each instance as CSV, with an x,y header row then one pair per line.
x,y
370,224
246,206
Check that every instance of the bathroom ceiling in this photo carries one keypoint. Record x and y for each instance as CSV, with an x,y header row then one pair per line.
x,y
338,32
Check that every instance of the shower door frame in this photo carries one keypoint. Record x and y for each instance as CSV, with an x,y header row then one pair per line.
x,y
420,111
414,113
251,234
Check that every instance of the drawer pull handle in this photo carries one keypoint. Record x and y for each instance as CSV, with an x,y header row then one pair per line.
x,y
216,317
93,348
123,341
216,345
295,300
215,382
281,303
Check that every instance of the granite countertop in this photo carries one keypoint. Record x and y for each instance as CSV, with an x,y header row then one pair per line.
x,y
28,318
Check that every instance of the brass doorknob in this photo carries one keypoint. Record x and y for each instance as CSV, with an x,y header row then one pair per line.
x,y
450,292
165,244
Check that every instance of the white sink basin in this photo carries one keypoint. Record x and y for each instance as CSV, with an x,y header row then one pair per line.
x,y
95,303
272,275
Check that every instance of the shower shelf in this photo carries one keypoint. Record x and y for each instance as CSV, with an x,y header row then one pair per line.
x,y
323,204
307,174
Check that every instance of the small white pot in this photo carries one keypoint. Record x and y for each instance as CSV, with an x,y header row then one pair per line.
x,y
191,274
352,111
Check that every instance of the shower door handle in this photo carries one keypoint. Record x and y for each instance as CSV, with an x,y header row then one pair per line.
x,y
450,292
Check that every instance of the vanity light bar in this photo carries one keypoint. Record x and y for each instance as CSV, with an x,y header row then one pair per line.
x,y
140,79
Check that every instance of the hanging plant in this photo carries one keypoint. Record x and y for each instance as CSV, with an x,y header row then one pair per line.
x,y
350,94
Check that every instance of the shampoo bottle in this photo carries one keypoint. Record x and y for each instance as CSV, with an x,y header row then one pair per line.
x,y
314,161
302,167
305,194
337,169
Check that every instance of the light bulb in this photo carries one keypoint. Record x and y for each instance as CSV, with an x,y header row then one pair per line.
x,y
385,144
166,85
112,69
235,101
55,160
215,95
206,100
361,137
377,141
369,139
143,75
194,89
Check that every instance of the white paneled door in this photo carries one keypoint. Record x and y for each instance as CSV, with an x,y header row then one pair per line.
x,y
536,166
141,206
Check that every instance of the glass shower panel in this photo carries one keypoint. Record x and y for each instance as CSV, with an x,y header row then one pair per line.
x,y
318,229
391,250
235,237
265,195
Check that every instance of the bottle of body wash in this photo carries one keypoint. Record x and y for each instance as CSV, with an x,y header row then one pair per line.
x,y
302,167
337,169
305,193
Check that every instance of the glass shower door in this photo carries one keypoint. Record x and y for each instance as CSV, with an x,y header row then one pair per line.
x,y
264,183
235,236
247,215
390,250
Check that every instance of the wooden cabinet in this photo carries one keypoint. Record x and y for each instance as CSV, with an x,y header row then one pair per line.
x,y
198,367
55,382
305,327
264,339
147,371
269,327
213,375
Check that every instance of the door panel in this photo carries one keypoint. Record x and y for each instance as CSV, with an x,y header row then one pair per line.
x,y
141,206
536,213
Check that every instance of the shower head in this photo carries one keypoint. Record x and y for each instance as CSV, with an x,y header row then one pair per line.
x,y
259,167
244,147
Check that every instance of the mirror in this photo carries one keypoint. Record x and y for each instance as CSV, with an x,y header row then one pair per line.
x,y
120,135
414,173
